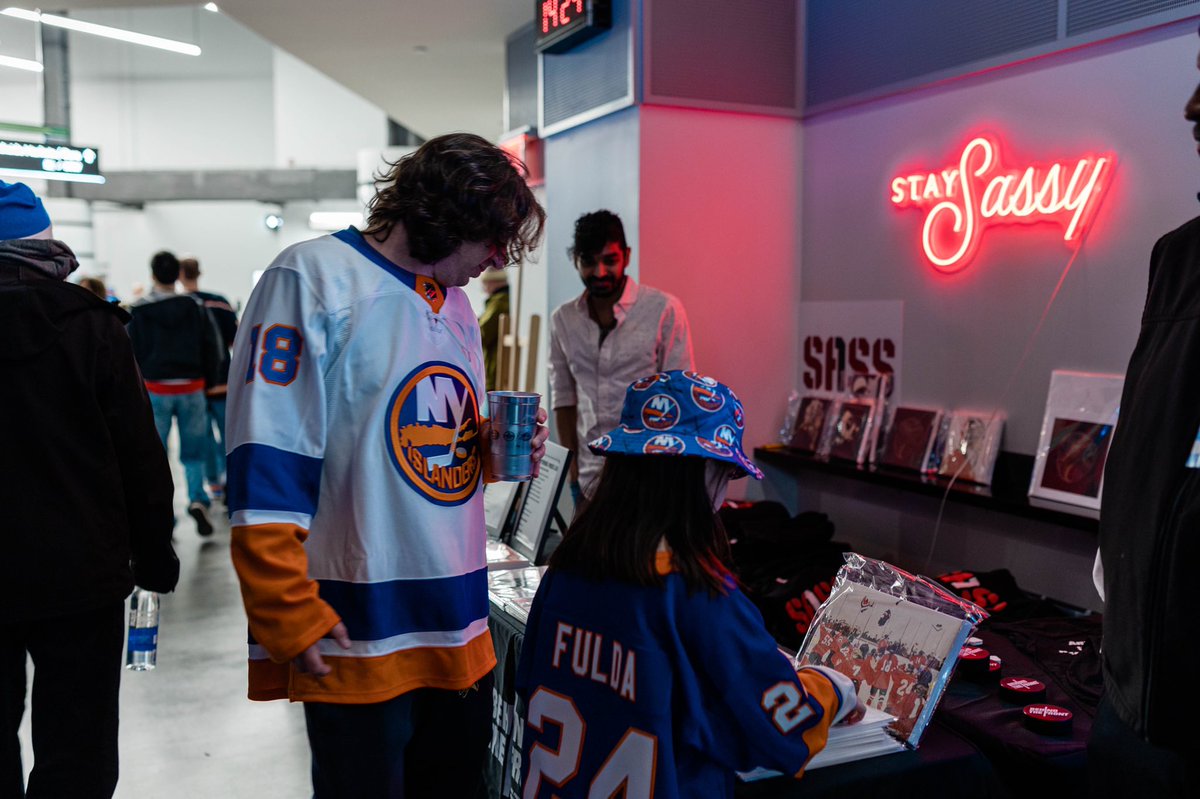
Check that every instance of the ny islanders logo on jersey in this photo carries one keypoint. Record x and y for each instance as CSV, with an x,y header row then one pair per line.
x,y
664,444
602,443
661,412
433,433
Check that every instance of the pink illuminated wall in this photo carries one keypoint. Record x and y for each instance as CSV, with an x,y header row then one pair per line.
x,y
719,204
967,322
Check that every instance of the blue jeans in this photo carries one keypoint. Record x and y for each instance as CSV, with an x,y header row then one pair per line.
x,y
191,412
214,459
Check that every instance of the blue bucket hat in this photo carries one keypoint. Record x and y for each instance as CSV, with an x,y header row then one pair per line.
x,y
21,212
680,413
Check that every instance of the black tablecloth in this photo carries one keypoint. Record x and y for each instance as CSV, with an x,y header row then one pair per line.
x,y
945,766
1029,764
504,768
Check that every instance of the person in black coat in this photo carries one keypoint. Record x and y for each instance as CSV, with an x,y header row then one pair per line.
x,y
1145,740
85,503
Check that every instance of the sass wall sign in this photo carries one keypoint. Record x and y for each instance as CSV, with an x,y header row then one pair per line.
x,y
50,161
980,190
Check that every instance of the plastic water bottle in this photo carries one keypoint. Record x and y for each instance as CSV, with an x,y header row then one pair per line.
x,y
143,630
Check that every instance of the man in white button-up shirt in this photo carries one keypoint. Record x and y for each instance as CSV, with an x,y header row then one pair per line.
x,y
610,335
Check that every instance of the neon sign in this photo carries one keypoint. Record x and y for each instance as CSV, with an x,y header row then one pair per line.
x,y
981,192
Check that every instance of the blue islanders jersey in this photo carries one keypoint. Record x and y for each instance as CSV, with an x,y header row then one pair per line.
x,y
660,691
354,476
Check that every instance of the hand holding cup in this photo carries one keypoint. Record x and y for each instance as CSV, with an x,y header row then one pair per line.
x,y
515,435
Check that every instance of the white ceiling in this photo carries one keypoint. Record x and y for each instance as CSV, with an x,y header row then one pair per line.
x,y
373,47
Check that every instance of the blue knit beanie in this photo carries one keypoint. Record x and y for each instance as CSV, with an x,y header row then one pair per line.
x,y
21,212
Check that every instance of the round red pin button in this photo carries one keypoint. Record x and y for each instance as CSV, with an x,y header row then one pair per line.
x,y
1048,719
1022,690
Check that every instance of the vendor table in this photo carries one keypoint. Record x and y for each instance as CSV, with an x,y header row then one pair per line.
x,y
946,765
1028,764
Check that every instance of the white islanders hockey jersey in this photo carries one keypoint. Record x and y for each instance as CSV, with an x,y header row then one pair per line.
x,y
354,476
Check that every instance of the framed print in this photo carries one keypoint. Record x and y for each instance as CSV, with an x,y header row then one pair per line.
x,y
539,504
878,388
1075,458
789,418
1077,429
809,431
972,446
910,438
849,430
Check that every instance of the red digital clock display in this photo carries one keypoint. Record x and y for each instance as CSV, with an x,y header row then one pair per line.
x,y
562,24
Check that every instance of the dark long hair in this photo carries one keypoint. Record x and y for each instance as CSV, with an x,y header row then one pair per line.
x,y
638,501
454,189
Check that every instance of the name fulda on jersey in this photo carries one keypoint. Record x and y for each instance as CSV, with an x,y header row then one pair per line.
x,y
591,655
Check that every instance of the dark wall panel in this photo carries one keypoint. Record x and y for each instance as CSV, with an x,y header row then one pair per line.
x,y
857,46
1089,15
520,79
591,75
716,51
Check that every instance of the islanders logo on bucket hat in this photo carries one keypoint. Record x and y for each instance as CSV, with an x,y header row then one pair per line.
x,y
680,413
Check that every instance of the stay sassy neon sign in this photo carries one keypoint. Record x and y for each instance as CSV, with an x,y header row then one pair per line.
x,y
982,192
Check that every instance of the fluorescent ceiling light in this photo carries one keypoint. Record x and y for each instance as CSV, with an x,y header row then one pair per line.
x,y
334,220
20,63
34,173
212,7
103,30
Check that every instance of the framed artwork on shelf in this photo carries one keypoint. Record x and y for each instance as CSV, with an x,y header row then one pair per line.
x,y
910,438
1077,429
849,433
789,418
972,446
878,388
809,431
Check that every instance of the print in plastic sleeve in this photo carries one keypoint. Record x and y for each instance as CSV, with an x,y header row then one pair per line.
x,y
897,636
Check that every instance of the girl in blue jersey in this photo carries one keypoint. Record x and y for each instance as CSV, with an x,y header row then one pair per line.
x,y
645,669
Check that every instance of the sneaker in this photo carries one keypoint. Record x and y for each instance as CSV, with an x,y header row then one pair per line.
x,y
199,512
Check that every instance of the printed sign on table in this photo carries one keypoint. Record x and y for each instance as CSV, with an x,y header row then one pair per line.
x,y
841,338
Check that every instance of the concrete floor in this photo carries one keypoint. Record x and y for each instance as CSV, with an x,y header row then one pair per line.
x,y
187,729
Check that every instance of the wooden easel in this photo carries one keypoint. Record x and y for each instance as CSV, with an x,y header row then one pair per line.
x,y
510,346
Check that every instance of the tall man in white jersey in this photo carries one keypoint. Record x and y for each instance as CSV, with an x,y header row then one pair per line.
x,y
355,464
613,333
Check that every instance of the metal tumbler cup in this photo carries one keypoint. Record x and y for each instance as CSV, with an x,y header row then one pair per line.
x,y
514,421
